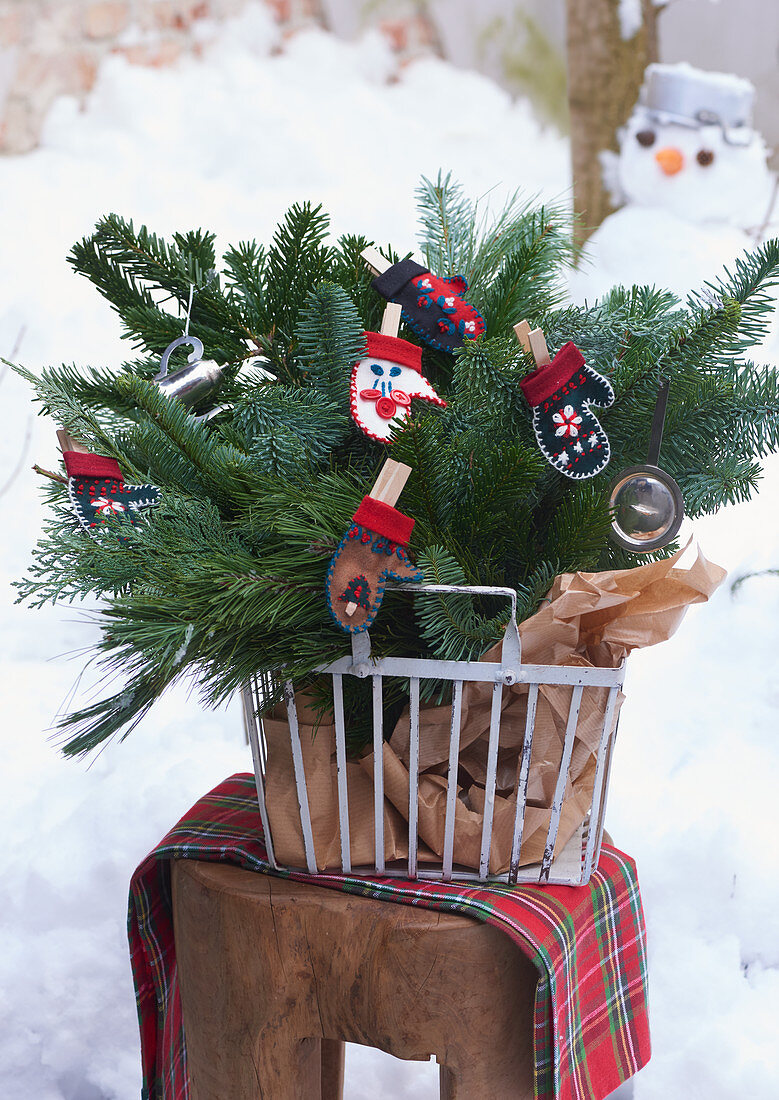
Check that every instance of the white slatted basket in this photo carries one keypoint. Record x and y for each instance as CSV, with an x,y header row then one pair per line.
x,y
572,866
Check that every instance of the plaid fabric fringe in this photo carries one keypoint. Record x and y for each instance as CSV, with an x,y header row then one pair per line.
x,y
587,943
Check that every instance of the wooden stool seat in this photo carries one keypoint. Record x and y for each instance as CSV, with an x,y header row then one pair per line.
x,y
275,975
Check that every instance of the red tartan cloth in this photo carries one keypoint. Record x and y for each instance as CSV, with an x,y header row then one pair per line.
x,y
587,943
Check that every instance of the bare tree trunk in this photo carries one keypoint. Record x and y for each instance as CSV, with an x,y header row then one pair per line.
x,y
604,76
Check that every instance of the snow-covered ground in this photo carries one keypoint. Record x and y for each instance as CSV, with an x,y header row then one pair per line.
x,y
229,143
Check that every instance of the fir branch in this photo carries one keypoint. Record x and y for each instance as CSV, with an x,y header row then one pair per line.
x,y
331,340
297,261
48,473
579,527
448,221
727,480
127,266
245,275
512,262
450,625
59,401
224,578
288,429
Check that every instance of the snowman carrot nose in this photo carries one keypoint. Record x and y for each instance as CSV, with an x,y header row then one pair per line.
x,y
670,159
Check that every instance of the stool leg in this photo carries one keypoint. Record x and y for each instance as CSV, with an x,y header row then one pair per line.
x,y
277,1067
286,1067
240,1045
481,1079
333,1063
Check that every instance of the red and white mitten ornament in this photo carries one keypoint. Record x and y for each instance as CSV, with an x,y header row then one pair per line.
x,y
434,307
560,392
384,384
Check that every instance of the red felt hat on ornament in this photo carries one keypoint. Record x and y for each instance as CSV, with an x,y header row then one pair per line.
x,y
393,348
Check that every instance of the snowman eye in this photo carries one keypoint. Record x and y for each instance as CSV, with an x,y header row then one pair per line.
x,y
394,372
704,157
377,369
645,138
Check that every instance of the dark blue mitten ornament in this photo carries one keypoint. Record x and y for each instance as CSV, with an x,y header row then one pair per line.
x,y
433,307
568,433
99,495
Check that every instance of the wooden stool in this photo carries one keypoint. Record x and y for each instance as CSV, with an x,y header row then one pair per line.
x,y
275,975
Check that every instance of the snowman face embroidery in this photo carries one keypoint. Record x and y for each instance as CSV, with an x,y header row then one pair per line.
x,y
381,395
691,171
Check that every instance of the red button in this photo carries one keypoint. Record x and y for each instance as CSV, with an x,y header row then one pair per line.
x,y
386,408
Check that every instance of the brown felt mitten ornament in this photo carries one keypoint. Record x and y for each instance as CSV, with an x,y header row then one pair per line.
x,y
371,552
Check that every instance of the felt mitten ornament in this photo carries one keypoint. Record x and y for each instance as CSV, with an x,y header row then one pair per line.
x,y
371,552
432,306
384,384
560,393
99,495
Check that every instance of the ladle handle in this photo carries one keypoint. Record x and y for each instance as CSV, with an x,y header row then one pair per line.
x,y
658,422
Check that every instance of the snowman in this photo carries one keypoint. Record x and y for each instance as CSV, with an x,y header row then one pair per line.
x,y
689,148
384,383
692,175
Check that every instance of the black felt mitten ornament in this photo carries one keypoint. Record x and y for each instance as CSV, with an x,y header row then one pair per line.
x,y
371,552
433,307
99,495
568,433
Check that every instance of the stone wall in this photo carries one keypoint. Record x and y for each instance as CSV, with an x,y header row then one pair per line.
x,y
54,47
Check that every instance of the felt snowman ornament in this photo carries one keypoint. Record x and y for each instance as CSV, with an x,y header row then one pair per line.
x,y
689,148
384,383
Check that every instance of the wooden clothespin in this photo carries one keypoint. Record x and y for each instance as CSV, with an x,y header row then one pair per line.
x,y
387,488
68,443
390,482
532,340
390,321
375,260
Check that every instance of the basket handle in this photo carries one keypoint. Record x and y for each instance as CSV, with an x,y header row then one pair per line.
x,y
511,651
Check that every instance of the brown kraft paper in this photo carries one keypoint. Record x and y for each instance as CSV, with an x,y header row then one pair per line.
x,y
587,620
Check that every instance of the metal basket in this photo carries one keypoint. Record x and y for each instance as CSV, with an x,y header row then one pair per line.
x,y
572,866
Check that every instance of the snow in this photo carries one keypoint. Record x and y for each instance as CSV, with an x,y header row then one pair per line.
x,y
229,143
631,18
680,220
651,246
